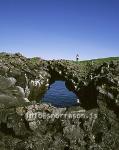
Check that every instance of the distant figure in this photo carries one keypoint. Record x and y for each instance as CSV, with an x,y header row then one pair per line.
x,y
77,57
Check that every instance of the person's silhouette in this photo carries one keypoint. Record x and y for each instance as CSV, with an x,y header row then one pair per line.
x,y
77,57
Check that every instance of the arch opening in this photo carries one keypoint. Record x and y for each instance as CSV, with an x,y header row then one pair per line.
x,y
59,96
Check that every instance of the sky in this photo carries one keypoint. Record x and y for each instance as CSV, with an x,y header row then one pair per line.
x,y
59,29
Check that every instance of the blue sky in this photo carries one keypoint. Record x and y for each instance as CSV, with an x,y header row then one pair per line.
x,y
59,29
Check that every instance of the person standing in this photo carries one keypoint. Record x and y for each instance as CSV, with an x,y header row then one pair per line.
x,y
77,57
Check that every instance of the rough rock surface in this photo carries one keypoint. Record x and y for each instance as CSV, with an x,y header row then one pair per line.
x,y
30,73
28,125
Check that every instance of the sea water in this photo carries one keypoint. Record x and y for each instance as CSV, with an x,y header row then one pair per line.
x,y
59,96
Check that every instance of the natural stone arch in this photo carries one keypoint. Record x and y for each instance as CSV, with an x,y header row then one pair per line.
x,y
84,89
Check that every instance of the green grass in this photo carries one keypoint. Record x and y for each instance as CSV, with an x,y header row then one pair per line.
x,y
101,60
97,62
84,67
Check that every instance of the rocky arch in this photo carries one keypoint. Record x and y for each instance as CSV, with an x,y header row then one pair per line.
x,y
91,85
84,88
84,79
35,75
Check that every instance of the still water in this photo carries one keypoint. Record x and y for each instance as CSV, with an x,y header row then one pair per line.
x,y
58,95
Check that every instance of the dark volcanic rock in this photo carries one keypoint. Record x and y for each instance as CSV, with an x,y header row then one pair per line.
x,y
25,125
